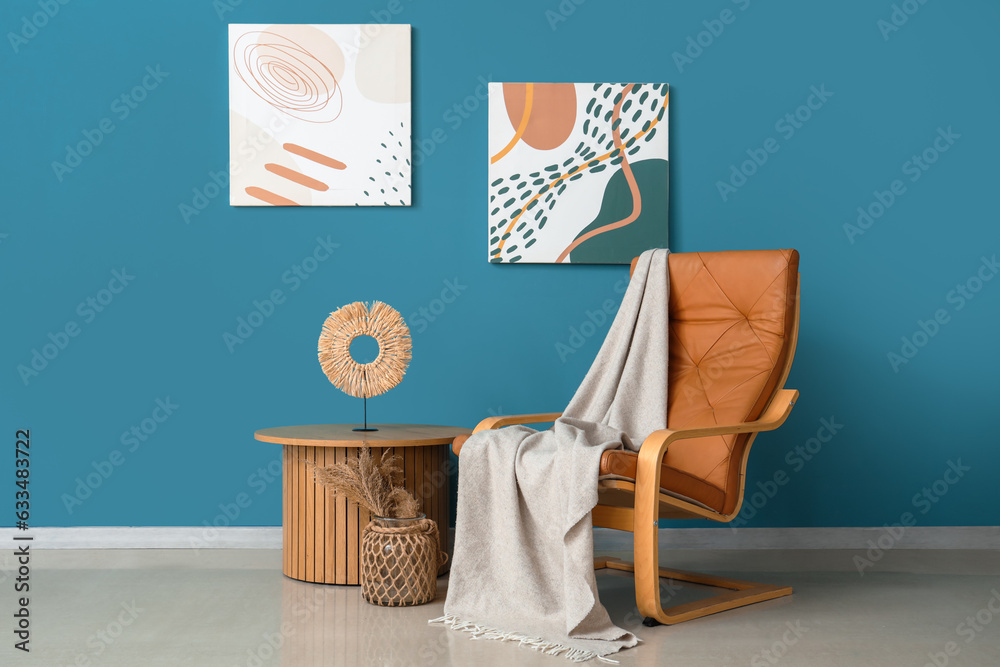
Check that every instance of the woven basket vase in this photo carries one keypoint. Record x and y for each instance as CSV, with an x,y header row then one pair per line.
x,y
400,560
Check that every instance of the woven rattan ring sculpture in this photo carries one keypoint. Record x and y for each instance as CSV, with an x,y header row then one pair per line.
x,y
383,323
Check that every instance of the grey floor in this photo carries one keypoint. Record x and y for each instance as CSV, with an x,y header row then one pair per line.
x,y
228,608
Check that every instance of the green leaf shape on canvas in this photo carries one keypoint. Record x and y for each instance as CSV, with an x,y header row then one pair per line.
x,y
649,230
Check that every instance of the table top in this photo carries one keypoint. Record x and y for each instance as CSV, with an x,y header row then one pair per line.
x,y
342,435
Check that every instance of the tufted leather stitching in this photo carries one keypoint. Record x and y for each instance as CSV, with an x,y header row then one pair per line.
x,y
732,389
689,355
764,347
735,307
776,278
694,405
717,466
719,340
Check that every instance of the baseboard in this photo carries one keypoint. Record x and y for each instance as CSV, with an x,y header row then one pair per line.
x,y
150,537
605,539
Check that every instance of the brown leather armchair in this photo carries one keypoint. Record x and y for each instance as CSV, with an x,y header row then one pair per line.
x,y
733,327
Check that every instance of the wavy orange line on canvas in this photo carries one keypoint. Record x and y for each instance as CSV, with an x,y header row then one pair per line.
x,y
270,197
632,186
496,253
319,158
296,177
529,94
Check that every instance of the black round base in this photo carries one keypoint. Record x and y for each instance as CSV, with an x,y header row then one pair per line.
x,y
366,430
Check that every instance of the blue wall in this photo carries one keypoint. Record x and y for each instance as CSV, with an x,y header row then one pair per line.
x,y
494,347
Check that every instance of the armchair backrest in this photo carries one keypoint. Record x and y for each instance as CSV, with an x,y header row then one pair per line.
x,y
733,323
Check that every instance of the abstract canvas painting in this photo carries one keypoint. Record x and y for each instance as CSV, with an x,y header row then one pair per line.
x,y
578,172
319,115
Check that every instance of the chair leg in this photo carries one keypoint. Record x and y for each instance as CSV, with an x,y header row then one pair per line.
x,y
646,555
738,593
646,551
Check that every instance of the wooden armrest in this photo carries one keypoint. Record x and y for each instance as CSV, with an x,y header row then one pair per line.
x,y
498,422
774,416
491,423
648,467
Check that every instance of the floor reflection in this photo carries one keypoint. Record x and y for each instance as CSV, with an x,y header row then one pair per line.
x,y
333,625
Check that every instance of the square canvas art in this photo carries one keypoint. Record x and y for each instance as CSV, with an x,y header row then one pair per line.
x,y
578,172
319,115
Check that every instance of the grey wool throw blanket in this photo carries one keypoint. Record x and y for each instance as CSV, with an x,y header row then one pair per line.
x,y
523,568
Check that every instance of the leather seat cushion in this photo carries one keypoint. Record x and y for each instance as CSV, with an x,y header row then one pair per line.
x,y
618,464
731,319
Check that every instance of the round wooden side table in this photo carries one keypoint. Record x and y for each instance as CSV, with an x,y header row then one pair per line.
x,y
321,533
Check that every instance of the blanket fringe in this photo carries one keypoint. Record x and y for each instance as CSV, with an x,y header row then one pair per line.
x,y
534,643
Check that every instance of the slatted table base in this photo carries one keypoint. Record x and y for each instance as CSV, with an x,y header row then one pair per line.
x,y
322,533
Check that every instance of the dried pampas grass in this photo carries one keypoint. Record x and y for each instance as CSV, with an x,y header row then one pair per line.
x,y
369,483
383,323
